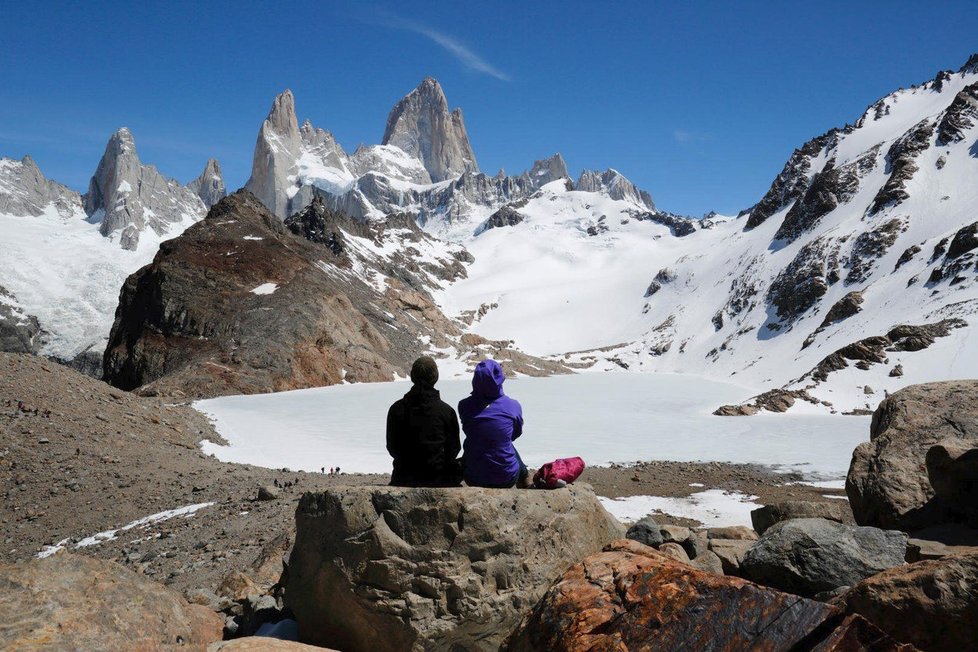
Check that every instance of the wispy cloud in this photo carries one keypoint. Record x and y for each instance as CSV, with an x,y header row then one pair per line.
x,y
456,48
686,137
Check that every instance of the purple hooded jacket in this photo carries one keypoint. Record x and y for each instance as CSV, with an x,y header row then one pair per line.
x,y
491,421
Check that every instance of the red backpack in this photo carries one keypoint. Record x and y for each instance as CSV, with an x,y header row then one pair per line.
x,y
558,473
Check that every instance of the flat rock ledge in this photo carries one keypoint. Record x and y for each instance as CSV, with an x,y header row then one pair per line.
x,y
433,569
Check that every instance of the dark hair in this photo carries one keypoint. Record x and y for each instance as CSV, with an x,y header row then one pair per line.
x,y
424,371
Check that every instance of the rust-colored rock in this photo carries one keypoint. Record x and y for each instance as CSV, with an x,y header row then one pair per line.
x,y
631,597
932,604
74,602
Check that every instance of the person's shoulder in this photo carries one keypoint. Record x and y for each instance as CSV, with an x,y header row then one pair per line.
x,y
397,405
510,403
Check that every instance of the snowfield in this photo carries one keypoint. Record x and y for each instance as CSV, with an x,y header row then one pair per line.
x,y
603,418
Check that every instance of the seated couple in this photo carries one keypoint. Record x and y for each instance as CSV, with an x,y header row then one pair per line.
x,y
423,438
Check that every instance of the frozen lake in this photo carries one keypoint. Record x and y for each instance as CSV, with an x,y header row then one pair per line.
x,y
601,417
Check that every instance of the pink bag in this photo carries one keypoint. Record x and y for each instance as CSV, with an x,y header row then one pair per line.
x,y
558,473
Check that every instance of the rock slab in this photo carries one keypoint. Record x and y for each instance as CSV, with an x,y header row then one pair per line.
x,y
630,597
74,602
807,556
433,569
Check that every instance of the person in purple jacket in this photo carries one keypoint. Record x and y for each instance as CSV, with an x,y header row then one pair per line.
x,y
491,421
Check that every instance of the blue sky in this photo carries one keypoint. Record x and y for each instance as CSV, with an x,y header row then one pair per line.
x,y
699,103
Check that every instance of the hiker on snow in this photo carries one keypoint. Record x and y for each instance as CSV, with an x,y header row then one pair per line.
x,y
422,433
491,421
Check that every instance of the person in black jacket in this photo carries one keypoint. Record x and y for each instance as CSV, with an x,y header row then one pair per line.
x,y
422,433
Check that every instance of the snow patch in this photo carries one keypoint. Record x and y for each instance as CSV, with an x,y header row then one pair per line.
x,y
712,508
265,288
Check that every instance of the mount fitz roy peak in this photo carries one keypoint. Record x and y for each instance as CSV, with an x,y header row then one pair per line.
x,y
64,256
425,166
863,252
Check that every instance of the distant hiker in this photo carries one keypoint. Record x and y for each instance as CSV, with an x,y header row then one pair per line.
x,y
491,421
422,433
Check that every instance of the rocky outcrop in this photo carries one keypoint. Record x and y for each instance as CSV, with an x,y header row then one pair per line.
x,y
932,604
73,602
631,597
125,197
239,304
844,308
764,517
828,188
774,400
961,116
887,482
422,126
19,332
869,247
505,216
960,257
433,569
24,190
873,350
901,164
808,556
276,152
615,184
209,186
548,169
263,644
800,285
678,226
791,184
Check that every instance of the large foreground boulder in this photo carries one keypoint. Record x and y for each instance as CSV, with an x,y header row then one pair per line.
x,y
932,604
887,483
389,568
73,602
808,556
631,597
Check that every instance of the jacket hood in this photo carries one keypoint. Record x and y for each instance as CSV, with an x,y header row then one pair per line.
x,y
487,381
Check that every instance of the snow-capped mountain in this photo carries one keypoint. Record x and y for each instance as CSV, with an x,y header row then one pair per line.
x,y
64,256
425,165
855,274
867,228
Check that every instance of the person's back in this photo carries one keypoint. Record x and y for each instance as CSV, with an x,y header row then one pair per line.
x,y
491,421
422,433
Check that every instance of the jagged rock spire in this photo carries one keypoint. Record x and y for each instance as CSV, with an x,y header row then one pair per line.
x,y
421,125
277,149
125,196
549,169
209,186
615,184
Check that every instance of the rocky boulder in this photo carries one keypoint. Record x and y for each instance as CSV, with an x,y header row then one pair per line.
x,y
887,484
932,604
630,597
433,569
808,556
763,518
73,602
953,473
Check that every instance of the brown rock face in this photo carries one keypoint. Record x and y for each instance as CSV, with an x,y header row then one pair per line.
x,y
932,604
630,597
887,482
238,304
73,602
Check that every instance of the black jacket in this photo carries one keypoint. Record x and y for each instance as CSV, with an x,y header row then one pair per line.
x,y
423,439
